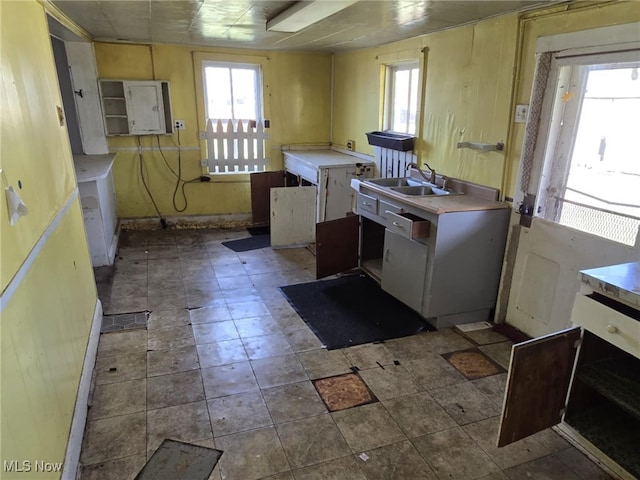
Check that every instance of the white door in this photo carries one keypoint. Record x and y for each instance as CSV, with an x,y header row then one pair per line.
x,y
144,107
583,190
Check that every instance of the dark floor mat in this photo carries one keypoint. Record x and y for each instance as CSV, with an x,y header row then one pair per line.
x,y
180,461
250,243
264,230
352,310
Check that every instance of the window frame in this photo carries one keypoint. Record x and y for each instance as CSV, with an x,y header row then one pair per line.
x,y
390,93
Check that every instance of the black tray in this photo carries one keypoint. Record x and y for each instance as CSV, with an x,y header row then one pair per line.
x,y
394,141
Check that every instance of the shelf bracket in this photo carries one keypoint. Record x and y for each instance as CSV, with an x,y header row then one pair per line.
x,y
482,147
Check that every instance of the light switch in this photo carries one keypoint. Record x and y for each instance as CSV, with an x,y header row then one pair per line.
x,y
521,113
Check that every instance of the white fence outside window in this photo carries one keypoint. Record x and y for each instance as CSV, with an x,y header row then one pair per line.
x,y
236,146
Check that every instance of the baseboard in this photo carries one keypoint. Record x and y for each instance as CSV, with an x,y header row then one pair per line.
x,y
72,457
226,221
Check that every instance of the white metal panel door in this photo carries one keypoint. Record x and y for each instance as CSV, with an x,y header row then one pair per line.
x,y
293,216
144,107
404,266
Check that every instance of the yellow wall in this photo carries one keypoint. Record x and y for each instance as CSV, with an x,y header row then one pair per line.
x,y
470,85
47,311
300,87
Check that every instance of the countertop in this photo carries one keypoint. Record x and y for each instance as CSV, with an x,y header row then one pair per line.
x,y
93,167
617,281
437,204
325,158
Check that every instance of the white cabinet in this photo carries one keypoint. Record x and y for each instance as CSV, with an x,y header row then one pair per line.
x,y
132,107
585,380
97,197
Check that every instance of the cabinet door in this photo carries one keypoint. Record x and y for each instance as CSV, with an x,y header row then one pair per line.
x,y
537,385
337,245
144,107
293,216
261,184
404,266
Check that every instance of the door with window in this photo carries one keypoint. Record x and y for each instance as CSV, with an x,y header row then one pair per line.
x,y
584,186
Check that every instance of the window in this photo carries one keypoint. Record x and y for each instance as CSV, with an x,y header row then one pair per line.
x,y
401,98
234,117
591,173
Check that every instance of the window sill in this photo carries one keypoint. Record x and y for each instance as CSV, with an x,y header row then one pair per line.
x,y
232,177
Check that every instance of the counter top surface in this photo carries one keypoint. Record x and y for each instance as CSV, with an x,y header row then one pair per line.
x,y
616,281
93,167
325,158
437,204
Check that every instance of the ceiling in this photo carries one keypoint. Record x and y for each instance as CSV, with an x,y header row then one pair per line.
x,y
242,23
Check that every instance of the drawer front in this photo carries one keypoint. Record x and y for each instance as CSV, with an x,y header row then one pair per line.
x,y
607,323
385,208
407,225
367,204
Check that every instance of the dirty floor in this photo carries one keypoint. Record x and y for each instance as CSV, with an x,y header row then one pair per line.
x,y
225,362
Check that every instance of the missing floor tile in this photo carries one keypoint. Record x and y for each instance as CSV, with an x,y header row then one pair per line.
x,y
175,459
344,391
473,364
124,321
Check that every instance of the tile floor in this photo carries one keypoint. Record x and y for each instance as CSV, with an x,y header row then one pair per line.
x,y
225,362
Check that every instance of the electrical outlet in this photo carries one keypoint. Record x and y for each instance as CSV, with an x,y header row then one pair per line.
x,y
351,145
178,124
521,113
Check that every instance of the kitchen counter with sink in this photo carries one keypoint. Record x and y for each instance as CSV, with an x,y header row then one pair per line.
x,y
438,250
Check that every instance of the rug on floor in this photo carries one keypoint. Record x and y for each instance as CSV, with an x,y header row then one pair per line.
x,y
352,310
251,243
175,460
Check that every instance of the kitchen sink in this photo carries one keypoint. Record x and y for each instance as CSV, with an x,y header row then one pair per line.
x,y
420,190
393,182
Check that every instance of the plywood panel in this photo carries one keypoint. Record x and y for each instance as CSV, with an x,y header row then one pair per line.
x,y
293,216
537,385
337,245
261,184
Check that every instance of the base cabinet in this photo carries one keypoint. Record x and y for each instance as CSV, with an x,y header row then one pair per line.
x,y
594,400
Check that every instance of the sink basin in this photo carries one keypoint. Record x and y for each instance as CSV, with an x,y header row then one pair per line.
x,y
393,182
420,190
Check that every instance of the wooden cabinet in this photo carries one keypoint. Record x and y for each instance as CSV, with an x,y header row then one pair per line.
x,y
585,380
132,107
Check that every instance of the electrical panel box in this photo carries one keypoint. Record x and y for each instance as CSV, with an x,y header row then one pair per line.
x,y
136,107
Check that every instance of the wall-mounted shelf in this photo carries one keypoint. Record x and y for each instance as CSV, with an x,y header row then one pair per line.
x,y
482,147
134,107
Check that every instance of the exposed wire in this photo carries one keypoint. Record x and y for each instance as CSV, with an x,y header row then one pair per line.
x,y
163,222
165,158
179,179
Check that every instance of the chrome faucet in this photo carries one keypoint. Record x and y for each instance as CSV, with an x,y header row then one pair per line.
x,y
432,173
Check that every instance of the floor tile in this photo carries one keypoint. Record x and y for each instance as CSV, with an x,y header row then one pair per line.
x,y
238,413
122,343
174,389
266,346
368,427
119,368
485,434
324,363
232,283
230,270
125,305
419,414
550,440
369,355
167,301
344,391
229,379
121,469
163,362
114,437
493,387
256,326
389,382
302,339
170,337
211,313
432,372
221,353
409,348
251,455
168,318
452,454
293,401
187,422
546,468
281,370
484,336
581,465
446,340
398,461
311,440
112,399
247,309
499,352
465,403
214,332
473,364
343,468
